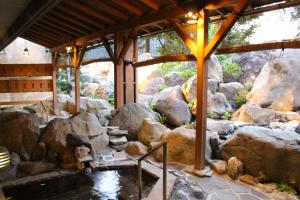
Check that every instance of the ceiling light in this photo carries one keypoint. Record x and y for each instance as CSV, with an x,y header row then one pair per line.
x,y
191,17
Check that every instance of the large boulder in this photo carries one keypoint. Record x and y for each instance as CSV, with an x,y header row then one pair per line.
x,y
19,132
173,79
130,117
219,125
101,90
181,146
230,90
278,84
63,135
272,153
171,103
152,86
217,104
215,70
151,131
145,99
136,148
251,64
254,114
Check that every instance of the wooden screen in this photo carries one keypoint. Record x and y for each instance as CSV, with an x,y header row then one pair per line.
x,y
22,78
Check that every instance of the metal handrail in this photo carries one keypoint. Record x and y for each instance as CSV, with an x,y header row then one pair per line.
x,y
140,181
44,108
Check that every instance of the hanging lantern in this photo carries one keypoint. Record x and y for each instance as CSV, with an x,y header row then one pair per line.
x,y
69,49
191,17
4,157
26,51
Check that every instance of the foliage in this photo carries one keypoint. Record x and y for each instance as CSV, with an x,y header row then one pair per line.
x,y
227,115
241,98
166,68
183,71
223,58
61,80
192,103
111,100
248,87
231,70
191,125
286,188
170,42
162,86
186,73
209,114
152,106
161,119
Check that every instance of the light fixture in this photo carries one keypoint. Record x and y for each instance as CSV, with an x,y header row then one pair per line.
x,y
4,157
26,51
191,17
69,49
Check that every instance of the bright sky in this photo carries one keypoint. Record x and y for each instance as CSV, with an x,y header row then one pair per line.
x,y
276,25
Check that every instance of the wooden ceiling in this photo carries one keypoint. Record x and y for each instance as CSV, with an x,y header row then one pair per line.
x,y
88,21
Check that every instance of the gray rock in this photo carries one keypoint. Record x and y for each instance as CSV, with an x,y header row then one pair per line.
x,y
145,99
278,84
171,103
273,153
215,70
87,78
217,104
118,140
219,166
219,125
230,90
39,152
152,86
130,117
234,168
212,85
31,168
172,79
19,132
151,131
62,135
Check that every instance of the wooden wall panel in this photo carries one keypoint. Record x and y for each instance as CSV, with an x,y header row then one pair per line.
x,y
25,70
15,86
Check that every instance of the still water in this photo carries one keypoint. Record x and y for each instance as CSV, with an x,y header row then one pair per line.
x,y
110,184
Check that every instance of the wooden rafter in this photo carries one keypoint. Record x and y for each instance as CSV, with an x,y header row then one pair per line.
x,y
129,7
151,4
59,29
289,44
164,59
225,28
80,16
109,9
185,38
108,49
57,37
90,11
52,31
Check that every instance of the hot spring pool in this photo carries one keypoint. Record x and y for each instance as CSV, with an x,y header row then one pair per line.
x,y
101,184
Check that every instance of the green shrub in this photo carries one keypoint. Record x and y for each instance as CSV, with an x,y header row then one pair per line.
x,y
227,115
191,125
209,114
161,119
162,86
186,73
241,98
231,70
192,103
152,106
111,100
166,68
286,188
248,87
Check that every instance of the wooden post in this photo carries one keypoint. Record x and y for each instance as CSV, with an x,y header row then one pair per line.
x,y
202,39
54,90
129,74
118,71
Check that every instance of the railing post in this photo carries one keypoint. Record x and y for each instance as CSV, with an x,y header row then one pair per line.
x,y
140,181
165,158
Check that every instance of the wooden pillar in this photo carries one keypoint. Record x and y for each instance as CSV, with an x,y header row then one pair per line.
x,y
118,71
129,74
54,68
202,39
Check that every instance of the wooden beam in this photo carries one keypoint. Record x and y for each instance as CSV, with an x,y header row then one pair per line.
x,y
62,30
108,9
52,31
30,15
164,59
35,35
225,28
24,102
151,4
185,38
57,37
108,49
289,44
201,112
164,13
118,72
90,11
97,60
79,16
55,57
129,7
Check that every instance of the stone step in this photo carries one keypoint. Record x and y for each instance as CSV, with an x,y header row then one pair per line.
x,y
118,132
119,147
118,140
109,128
